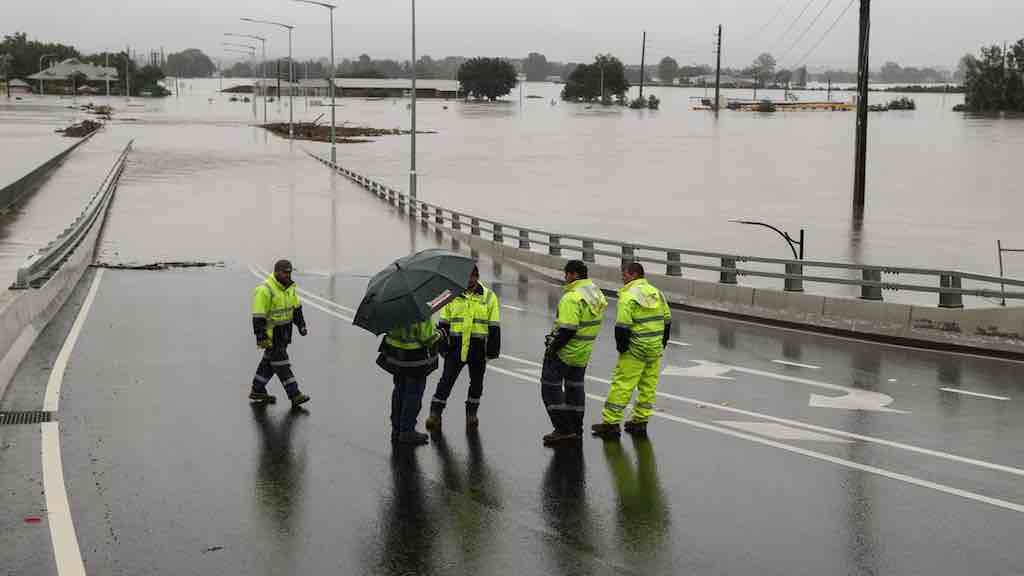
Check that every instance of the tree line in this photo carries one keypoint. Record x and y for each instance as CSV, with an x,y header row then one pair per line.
x,y
994,79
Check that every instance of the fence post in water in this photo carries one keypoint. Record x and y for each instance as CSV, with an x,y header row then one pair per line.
x,y
474,226
588,250
794,284
947,299
497,235
456,225
728,276
554,245
673,269
871,292
524,239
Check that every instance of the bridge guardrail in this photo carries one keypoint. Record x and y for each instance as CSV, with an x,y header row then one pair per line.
x,y
34,271
948,284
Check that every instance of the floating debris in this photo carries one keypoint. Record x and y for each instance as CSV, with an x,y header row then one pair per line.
x,y
80,130
158,266
345,134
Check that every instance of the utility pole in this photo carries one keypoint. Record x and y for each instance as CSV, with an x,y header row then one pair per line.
x,y
718,70
643,55
829,88
863,71
412,133
127,69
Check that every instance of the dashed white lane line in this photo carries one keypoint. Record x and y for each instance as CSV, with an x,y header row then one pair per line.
x,y
797,364
66,553
780,432
516,308
1005,504
678,343
976,394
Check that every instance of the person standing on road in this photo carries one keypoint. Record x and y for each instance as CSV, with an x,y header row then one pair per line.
x,y
470,334
642,326
275,309
567,352
409,354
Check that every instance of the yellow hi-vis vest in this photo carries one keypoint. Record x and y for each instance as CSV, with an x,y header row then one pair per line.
x,y
643,310
580,309
411,346
274,302
470,315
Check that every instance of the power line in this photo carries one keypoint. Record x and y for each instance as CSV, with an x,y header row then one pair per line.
x,y
806,30
766,25
793,23
807,55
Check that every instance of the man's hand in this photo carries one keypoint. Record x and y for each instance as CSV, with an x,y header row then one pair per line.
x,y
303,330
264,343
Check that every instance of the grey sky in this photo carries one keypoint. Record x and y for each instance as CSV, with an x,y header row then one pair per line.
x,y
912,32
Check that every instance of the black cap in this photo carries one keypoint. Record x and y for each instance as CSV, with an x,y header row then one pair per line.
x,y
282,266
576,267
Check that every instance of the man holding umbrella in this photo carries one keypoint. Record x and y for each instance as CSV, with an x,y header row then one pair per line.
x,y
400,302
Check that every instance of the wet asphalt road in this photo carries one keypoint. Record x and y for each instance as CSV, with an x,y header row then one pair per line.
x,y
169,470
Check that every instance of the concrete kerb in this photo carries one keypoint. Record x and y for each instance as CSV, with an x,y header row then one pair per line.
x,y
992,331
31,181
25,313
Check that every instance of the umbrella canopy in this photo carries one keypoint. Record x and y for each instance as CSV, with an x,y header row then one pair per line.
x,y
412,288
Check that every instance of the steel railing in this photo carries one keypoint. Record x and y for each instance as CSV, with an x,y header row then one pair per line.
x,y
39,266
948,284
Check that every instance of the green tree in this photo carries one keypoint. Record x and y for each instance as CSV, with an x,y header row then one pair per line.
x,y
25,53
585,82
147,79
989,81
783,77
489,78
536,67
190,63
763,67
800,76
668,69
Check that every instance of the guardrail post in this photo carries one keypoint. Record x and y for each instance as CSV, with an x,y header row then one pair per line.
x,y
474,226
950,300
871,292
588,250
794,284
401,202
674,269
391,196
554,245
627,255
497,235
524,239
424,212
456,224
438,215
727,276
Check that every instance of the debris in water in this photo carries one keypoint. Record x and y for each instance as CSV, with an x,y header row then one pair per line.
x,y
213,549
157,265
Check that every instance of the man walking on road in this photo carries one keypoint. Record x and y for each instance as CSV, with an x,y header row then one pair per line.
x,y
641,333
470,330
408,354
567,353
275,308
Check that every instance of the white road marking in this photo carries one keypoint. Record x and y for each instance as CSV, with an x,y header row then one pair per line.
x,y
516,308
833,431
1005,504
678,343
797,364
978,394
66,552
854,399
892,380
780,432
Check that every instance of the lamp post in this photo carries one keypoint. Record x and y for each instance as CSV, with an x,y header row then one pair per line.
x,y
412,133
251,52
330,7
263,68
785,236
291,71
42,86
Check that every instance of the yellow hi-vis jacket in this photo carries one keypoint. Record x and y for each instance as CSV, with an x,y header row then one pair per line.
x,y
275,304
643,311
470,316
410,349
580,309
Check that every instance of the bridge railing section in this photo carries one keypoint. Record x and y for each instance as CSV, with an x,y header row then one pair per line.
x,y
872,281
39,266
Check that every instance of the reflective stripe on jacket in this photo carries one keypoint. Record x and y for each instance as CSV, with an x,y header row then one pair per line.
x,y
411,346
642,310
470,316
580,309
276,303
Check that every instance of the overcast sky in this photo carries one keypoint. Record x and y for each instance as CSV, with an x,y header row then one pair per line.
x,y
911,32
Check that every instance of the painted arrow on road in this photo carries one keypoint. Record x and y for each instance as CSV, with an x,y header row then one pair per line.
x,y
854,399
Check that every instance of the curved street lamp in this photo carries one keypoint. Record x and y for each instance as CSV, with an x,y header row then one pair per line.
x,y
263,69
330,7
291,75
785,236
42,87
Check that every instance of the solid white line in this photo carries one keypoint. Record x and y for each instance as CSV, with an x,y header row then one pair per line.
x,y
797,364
978,394
1005,504
51,400
516,308
678,343
66,553
872,439
261,273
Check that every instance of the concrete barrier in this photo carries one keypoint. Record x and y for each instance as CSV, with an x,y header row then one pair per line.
x,y
34,179
25,313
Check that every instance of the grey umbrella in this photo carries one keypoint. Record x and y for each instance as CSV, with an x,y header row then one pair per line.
x,y
412,288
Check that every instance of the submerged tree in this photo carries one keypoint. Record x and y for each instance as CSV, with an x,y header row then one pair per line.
x,y
588,82
489,78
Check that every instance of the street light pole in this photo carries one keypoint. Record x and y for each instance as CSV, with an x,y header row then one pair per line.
x,y
412,133
42,86
785,236
291,76
334,140
263,67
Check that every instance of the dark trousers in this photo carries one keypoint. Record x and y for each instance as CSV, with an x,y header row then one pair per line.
x,y
453,365
561,389
406,400
275,361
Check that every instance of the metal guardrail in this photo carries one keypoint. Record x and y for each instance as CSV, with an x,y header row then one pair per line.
x,y
15,190
948,283
39,266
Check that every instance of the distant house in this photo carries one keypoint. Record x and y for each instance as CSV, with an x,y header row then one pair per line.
x,y
17,86
58,77
727,81
375,88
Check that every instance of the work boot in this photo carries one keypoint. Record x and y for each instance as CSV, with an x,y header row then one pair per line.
x,y
635,427
472,421
262,397
557,438
433,422
299,399
605,430
412,438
